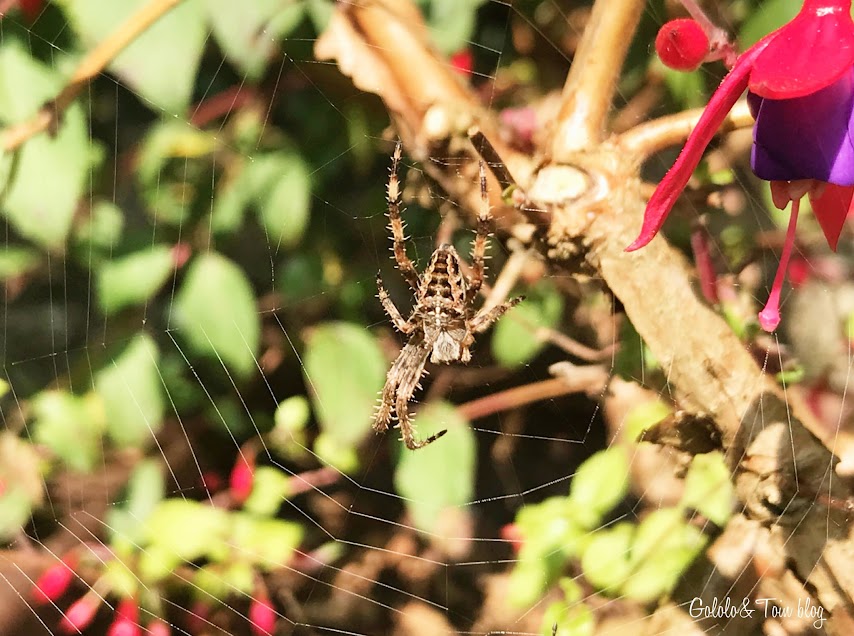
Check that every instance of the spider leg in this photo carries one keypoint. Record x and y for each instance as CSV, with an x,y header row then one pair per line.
x,y
398,230
411,359
478,252
416,359
391,309
482,321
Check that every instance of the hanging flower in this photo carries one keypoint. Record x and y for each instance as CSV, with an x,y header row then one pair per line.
x,y
800,82
55,581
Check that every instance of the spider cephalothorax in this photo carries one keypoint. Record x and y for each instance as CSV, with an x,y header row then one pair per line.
x,y
443,322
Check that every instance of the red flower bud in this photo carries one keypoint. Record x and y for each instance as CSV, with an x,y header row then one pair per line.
x,y
463,62
197,621
55,581
682,44
80,614
511,533
242,475
262,616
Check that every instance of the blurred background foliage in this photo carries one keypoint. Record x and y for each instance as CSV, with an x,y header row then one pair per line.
x,y
188,266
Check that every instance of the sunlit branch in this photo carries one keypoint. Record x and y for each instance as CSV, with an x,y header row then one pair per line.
x,y
648,138
590,379
589,88
91,66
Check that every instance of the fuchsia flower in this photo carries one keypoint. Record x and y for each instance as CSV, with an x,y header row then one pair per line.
x,y
262,615
55,581
80,614
800,82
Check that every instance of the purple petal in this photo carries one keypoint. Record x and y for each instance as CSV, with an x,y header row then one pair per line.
x,y
806,137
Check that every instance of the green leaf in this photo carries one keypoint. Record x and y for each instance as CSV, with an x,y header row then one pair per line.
x,y
21,465
549,527
292,414
601,482
449,466
100,232
268,542
132,393
133,279
145,489
515,340
172,161
663,547
161,63
247,32
687,89
331,451
452,23
70,426
708,488
606,559
771,15
187,530
345,369
270,487
16,261
644,416
284,211
41,214
216,314
15,511
120,579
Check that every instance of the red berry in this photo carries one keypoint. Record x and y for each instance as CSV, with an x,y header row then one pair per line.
x,y
262,616
682,44
54,582
80,614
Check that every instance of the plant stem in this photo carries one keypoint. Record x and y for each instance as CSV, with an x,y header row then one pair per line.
x,y
592,80
90,67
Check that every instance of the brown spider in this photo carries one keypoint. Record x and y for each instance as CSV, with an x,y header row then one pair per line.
x,y
443,322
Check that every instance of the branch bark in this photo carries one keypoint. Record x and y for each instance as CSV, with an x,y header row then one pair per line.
x,y
592,80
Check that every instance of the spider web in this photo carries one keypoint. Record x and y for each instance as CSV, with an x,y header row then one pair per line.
x,y
364,565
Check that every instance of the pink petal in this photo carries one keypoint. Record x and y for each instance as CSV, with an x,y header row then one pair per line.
x,y
831,209
807,54
676,179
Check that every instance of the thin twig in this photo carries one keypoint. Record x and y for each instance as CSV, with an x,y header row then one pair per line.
x,y
584,379
91,66
648,138
592,80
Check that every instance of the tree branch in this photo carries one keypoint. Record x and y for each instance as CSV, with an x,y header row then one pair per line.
x,y
648,138
590,85
89,68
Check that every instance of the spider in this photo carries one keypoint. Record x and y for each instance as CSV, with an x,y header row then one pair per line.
x,y
443,322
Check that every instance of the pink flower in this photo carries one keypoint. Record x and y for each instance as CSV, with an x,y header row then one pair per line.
x,y
80,614
125,624
262,616
159,628
55,581
242,476
800,82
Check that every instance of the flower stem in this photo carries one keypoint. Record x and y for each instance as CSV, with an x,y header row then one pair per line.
x,y
769,317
